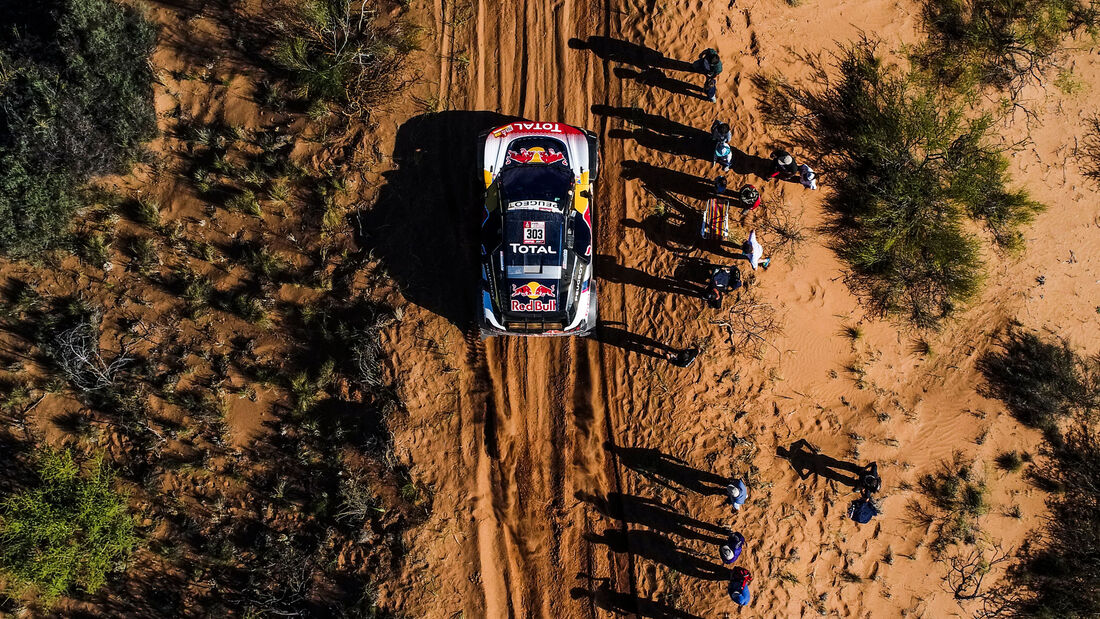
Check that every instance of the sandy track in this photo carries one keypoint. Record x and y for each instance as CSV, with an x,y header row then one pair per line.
x,y
540,402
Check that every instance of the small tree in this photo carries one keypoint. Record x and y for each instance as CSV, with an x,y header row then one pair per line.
x,y
911,170
70,529
999,43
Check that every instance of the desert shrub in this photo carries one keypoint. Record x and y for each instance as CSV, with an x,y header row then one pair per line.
x,y
72,345
998,43
70,529
75,101
1010,461
911,171
340,52
1041,381
1089,156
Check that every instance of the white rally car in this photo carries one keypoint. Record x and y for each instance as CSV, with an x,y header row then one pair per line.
x,y
537,230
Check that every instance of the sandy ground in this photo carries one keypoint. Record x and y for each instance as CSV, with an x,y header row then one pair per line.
x,y
579,478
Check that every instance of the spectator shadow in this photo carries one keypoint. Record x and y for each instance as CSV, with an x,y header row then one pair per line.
x,y
669,471
607,598
671,144
658,124
663,182
616,50
651,513
632,342
609,269
424,224
806,459
657,79
655,547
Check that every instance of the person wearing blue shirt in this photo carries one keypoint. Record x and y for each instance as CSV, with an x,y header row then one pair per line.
x,y
738,493
739,586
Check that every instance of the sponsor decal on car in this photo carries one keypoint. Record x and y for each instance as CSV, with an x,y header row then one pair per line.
x,y
534,205
534,292
535,154
535,306
520,248
534,233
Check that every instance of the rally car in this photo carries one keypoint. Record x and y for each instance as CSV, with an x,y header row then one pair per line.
x,y
536,230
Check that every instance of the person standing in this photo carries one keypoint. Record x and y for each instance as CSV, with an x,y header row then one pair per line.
x,y
807,176
723,155
754,252
720,131
732,548
738,493
722,280
683,358
749,197
785,167
710,89
709,63
739,586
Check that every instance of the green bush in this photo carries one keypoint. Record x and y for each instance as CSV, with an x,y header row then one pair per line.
x,y
75,101
340,52
910,171
70,530
999,43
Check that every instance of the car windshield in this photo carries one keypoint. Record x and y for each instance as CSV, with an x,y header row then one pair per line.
x,y
546,183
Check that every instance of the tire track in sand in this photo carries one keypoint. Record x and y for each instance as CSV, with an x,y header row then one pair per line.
x,y
540,402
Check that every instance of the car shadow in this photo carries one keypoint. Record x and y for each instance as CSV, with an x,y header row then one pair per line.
x,y
423,226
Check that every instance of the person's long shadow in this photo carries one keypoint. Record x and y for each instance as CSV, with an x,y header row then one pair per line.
x,y
669,471
423,225
644,120
805,459
617,50
695,148
632,342
663,181
607,598
609,269
655,547
657,78
652,513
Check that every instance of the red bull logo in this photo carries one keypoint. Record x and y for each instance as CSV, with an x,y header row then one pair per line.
x,y
536,154
533,290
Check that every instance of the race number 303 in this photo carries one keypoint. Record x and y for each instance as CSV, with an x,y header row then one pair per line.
x,y
534,232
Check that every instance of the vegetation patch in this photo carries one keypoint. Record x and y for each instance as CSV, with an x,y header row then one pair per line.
x,y
75,101
340,52
1002,44
70,529
913,172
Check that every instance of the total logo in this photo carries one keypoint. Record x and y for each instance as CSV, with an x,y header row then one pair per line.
x,y
520,248
551,127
